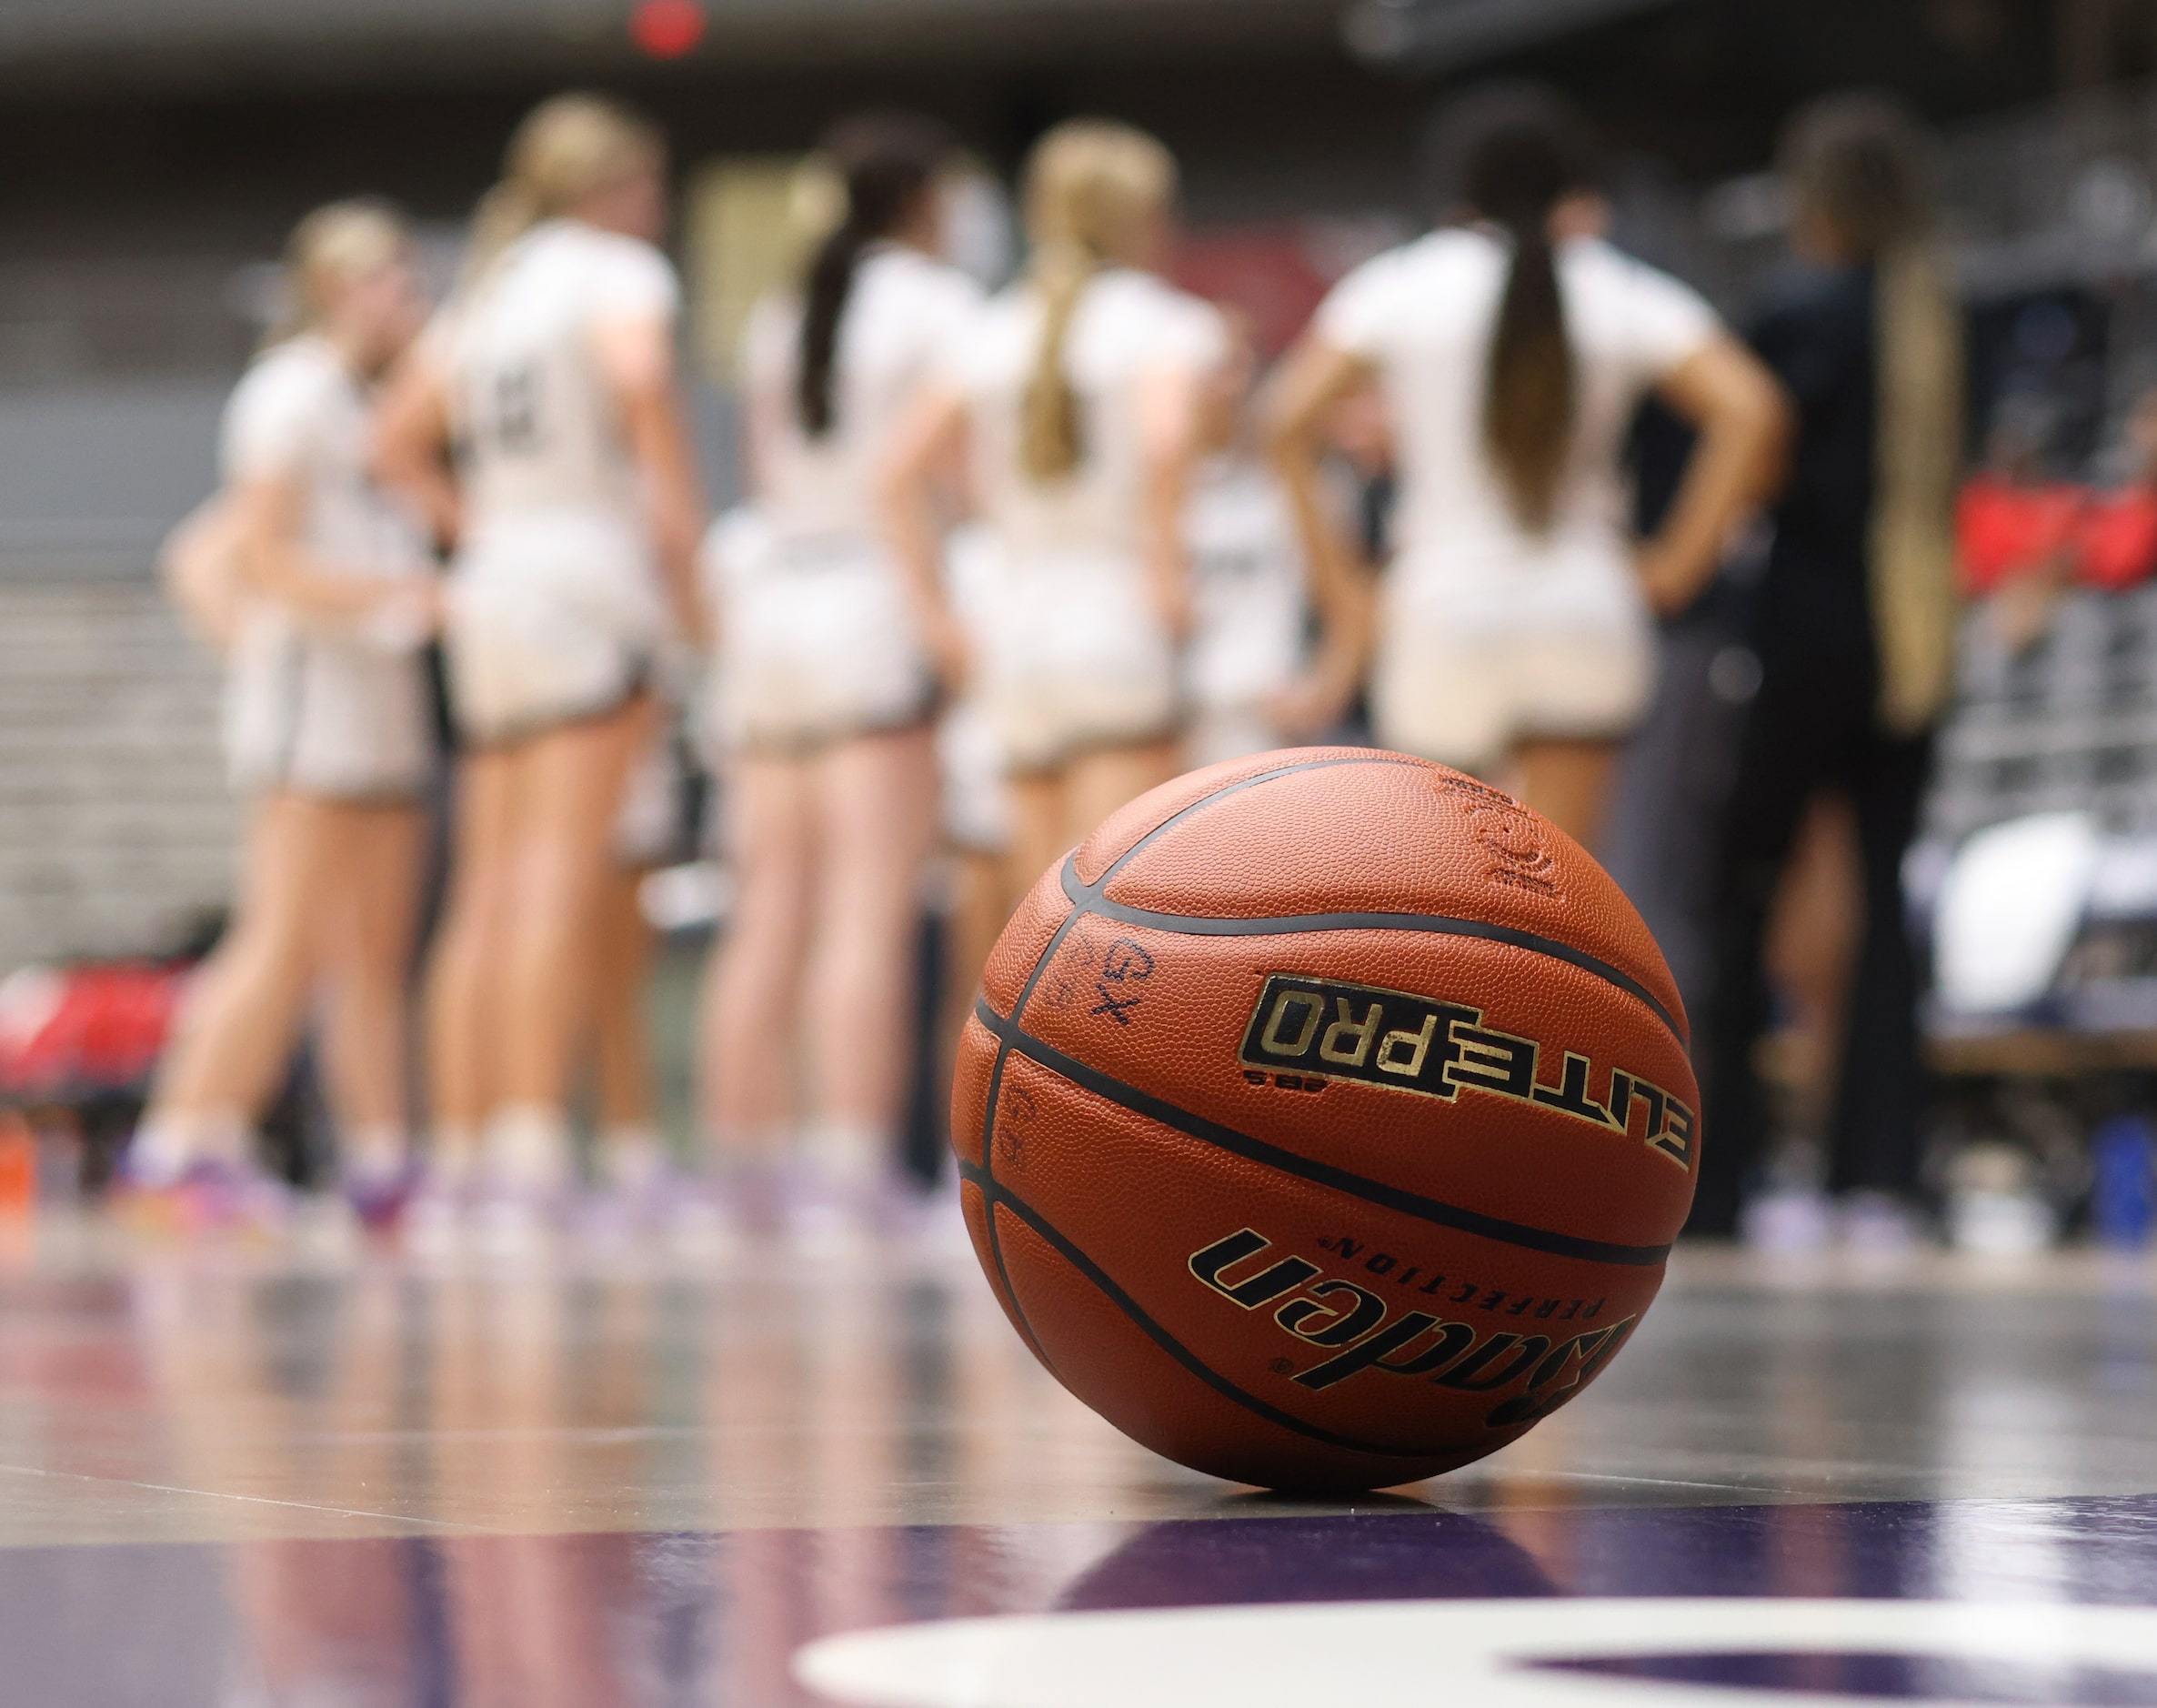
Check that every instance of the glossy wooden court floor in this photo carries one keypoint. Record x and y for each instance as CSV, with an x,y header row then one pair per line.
x,y
255,1475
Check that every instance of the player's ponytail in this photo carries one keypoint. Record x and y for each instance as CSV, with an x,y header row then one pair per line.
x,y
1095,194
888,165
339,242
1858,168
567,147
1517,151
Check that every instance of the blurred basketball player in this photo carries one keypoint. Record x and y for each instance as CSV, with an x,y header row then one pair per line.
x,y
1855,635
1248,604
1512,348
1079,403
320,585
826,677
576,511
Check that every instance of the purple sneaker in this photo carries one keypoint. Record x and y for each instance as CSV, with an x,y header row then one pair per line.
x,y
380,1197
215,1195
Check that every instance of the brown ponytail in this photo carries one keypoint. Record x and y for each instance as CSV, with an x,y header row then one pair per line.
x,y
1517,151
888,163
1093,189
1528,397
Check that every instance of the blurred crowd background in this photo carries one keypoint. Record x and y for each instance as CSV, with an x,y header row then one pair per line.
x,y
157,152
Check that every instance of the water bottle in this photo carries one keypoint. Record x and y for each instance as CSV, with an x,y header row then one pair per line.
x,y
2124,1184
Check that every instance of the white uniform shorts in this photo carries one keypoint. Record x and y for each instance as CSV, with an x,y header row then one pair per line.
x,y
817,642
552,618
977,806
1471,662
1219,733
1078,658
325,715
648,824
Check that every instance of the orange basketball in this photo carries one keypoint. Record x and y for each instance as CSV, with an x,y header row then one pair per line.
x,y
1326,1120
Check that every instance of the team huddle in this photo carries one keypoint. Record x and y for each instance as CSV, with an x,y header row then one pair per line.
x,y
1006,562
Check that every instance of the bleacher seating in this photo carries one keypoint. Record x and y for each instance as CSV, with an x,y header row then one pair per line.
x,y
115,826
2068,724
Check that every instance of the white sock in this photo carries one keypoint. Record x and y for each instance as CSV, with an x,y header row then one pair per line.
x,y
167,1145
452,1157
378,1152
848,1155
528,1150
164,1147
633,1159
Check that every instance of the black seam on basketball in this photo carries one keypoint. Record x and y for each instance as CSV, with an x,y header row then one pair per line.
x,y
989,1193
1168,1342
1375,757
1047,954
1437,924
1444,1215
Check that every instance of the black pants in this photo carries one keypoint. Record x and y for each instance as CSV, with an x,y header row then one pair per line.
x,y
1811,728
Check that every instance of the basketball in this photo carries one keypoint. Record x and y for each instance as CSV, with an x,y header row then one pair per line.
x,y
1325,1119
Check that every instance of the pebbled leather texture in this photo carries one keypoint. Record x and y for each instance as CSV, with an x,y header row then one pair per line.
x,y
1458,1250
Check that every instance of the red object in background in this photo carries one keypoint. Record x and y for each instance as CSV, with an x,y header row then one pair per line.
x,y
2116,542
1268,271
2004,532
18,1165
68,1031
666,30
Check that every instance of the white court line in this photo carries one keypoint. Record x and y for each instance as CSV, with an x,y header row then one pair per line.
x,y
1413,1654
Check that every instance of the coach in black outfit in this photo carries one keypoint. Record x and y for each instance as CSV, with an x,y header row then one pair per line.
x,y
1854,633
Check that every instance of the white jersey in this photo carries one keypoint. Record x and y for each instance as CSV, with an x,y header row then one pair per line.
x,y
819,640
327,710
555,608
534,426
1127,327
1247,601
301,413
1489,633
1081,657
1423,316
971,757
906,318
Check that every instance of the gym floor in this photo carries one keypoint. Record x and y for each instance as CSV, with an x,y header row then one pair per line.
x,y
253,1476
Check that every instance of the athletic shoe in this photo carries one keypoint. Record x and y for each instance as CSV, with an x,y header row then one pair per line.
x,y
818,1217
379,1197
221,1197
2017,1224
512,1225
1880,1224
433,1215
1787,1222
618,1212
704,1223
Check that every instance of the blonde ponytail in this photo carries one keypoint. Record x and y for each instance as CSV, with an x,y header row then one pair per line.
x,y
335,243
1917,462
1048,439
566,147
1094,191
1860,168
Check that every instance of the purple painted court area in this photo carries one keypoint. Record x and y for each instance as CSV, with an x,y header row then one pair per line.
x,y
426,1621
1889,1678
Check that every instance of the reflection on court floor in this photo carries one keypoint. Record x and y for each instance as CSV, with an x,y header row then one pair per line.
x,y
367,1481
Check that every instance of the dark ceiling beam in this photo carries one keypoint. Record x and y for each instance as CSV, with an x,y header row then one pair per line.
x,y
1436,36
53,46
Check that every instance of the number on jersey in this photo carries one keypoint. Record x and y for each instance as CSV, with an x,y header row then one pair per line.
x,y
517,411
